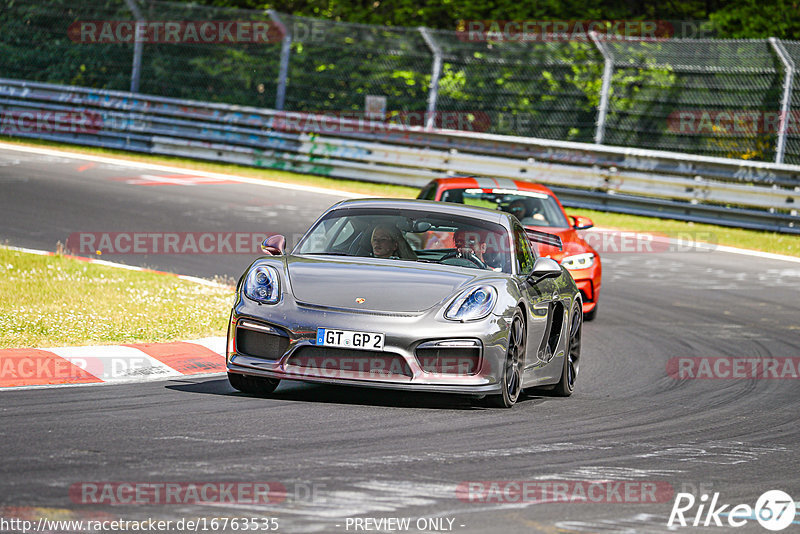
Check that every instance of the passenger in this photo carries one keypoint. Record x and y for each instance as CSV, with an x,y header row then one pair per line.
x,y
387,242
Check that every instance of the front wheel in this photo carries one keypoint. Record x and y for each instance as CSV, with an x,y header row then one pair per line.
x,y
511,379
255,385
572,356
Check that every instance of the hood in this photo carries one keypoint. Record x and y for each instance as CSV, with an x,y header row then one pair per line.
x,y
570,240
396,287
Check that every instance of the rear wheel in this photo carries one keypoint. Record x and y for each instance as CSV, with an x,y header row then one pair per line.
x,y
254,385
572,357
511,379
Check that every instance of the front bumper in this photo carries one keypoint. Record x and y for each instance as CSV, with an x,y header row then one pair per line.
x,y
290,352
588,282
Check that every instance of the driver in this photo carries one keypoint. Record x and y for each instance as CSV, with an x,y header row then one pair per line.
x,y
526,213
470,242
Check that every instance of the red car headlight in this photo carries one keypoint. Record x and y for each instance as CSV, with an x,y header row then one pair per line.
x,y
578,261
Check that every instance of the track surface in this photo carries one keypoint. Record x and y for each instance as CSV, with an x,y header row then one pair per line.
x,y
384,454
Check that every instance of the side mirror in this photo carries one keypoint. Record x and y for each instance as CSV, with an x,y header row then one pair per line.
x,y
581,223
544,268
274,245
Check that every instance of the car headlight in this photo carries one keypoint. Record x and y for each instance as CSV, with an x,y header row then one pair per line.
x,y
472,304
578,261
262,284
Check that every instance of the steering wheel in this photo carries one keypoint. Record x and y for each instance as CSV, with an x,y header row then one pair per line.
x,y
468,255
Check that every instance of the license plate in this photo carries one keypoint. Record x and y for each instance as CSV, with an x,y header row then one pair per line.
x,y
349,340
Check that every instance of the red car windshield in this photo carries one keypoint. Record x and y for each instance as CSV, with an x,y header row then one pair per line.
x,y
530,207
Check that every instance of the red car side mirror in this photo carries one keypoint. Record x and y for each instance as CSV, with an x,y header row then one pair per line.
x,y
581,223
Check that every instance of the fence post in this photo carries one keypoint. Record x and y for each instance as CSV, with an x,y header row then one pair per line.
x,y
436,72
136,69
283,70
608,71
788,80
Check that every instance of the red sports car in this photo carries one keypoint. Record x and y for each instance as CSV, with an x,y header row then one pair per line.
x,y
537,208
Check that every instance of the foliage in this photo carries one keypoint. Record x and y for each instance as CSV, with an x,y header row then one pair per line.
x,y
741,19
539,89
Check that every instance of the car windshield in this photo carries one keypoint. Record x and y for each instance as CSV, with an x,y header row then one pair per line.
x,y
410,235
530,207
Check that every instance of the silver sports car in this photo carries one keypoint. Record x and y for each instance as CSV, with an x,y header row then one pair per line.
x,y
411,295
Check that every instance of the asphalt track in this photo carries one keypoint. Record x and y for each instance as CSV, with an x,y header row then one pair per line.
x,y
345,453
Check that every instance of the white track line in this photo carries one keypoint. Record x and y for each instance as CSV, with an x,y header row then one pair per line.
x,y
324,191
188,278
181,170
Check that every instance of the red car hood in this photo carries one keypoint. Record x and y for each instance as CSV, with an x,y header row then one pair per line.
x,y
571,241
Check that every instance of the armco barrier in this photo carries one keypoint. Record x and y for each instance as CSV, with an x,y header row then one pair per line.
x,y
731,192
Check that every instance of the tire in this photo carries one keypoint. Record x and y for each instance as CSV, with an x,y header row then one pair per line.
x,y
254,385
572,356
589,316
511,380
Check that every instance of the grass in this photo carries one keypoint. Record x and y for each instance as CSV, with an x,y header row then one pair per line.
x,y
764,241
692,232
48,301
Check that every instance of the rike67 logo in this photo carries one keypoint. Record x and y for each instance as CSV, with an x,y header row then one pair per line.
x,y
774,510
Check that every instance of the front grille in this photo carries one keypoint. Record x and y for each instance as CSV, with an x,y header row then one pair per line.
x,y
460,361
372,363
260,344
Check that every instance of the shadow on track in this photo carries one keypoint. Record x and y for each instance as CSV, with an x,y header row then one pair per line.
x,y
307,393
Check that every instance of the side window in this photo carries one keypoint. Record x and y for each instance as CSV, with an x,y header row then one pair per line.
x,y
342,234
525,256
428,192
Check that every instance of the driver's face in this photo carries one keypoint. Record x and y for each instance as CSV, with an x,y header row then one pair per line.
x,y
470,241
517,208
383,245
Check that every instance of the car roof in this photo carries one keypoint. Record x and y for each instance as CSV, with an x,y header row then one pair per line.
x,y
448,208
483,182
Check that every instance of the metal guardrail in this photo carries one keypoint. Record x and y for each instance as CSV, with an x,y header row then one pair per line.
x,y
739,193
666,86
